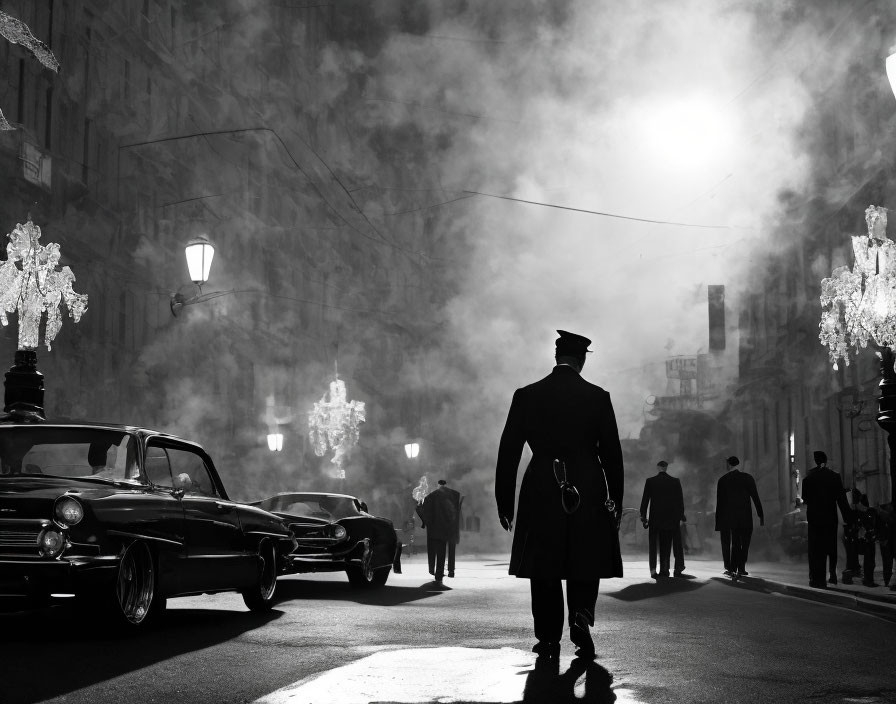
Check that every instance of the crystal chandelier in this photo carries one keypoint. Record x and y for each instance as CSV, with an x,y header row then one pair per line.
x,y
859,305
334,423
30,285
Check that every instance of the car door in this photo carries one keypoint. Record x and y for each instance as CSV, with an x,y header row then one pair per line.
x,y
217,551
169,515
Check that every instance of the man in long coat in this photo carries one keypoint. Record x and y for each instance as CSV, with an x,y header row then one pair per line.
x,y
664,499
734,516
457,501
562,417
823,493
440,521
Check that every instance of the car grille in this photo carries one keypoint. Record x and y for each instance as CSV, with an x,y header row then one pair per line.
x,y
20,537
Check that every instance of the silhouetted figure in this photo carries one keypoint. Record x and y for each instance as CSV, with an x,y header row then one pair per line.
x,y
822,493
544,683
868,522
570,500
734,516
456,501
440,521
885,539
665,499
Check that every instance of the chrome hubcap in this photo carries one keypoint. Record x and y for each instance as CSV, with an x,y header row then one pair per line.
x,y
135,586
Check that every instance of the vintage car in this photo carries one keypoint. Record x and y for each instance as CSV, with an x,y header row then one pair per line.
x,y
124,518
335,533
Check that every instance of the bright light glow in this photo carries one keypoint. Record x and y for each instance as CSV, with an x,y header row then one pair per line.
x,y
275,442
200,253
69,511
412,449
891,71
792,446
686,133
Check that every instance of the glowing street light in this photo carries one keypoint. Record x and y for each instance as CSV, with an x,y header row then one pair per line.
x,y
412,449
199,252
275,442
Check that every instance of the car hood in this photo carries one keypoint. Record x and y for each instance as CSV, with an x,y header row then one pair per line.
x,y
33,497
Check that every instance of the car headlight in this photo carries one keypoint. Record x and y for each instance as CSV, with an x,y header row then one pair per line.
x,y
51,543
69,511
339,532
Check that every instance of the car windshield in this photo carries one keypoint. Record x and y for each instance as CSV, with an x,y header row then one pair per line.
x,y
330,508
75,453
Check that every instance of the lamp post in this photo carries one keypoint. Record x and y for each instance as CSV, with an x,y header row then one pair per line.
x,y
199,252
858,307
31,286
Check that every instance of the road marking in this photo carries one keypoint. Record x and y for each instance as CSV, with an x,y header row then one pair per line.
x,y
447,675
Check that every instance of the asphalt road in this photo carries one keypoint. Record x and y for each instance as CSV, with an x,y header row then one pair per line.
x,y
700,640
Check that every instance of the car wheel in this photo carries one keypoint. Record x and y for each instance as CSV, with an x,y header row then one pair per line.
x,y
364,575
135,585
260,597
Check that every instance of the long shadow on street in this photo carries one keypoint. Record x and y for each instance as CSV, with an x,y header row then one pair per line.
x,y
33,639
545,683
310,589
650,590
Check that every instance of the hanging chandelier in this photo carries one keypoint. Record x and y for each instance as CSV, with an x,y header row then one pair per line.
x,y
859,305
334,423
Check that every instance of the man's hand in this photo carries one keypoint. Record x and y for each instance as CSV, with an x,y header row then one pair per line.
x,y
644,522
506,523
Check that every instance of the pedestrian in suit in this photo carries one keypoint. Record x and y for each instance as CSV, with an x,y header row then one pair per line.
x,y
734,517
456,501
823,493
440,519
665,500
570,500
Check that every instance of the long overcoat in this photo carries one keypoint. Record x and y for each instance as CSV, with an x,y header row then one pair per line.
x,y
439,515
733,494
565,417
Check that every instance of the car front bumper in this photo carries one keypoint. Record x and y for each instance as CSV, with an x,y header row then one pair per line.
x,y
67,575
313,559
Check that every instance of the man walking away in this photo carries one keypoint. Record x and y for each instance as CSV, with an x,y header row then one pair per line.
x,y
456,501
664,497
570,500
734,517
823,493
440,520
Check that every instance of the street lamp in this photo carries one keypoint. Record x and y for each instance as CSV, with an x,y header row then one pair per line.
x,y
412,449
199,252
859,306
275,442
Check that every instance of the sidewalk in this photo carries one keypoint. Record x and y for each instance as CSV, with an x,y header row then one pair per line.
x,y
792,578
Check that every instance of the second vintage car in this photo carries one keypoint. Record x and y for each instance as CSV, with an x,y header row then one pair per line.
x,y
124,518
335,533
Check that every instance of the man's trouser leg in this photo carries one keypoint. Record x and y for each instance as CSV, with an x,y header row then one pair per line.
x,y
725,535
818,550
451,548
745,536
868,564
651,548
430,554
581,599
439,549
547,609
886,558
830,542
677,549
665,540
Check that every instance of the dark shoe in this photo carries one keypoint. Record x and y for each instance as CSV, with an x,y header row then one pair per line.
x,y
451,574
546,647
743,573
438,580
586,652
832,579
869,584
818,585
654,575
664,575
729,573
582,638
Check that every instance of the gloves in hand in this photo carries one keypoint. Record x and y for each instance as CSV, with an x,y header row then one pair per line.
x,y
645,522
506,523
